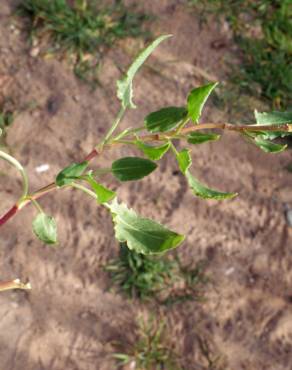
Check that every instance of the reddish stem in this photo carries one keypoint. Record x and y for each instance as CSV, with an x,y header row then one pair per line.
x,y
91,155
8,215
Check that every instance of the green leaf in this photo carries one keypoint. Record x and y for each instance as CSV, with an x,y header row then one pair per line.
x,y
200,138
153,152
142,234
197,99
45,228
184,160
165,119
71,173
124,86
273,118
204,192
268,146
132,168
103,194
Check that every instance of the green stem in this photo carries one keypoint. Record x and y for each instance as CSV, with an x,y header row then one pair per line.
x,y
84,189
114,125
182,125
173,148
128,132
37,206
14,162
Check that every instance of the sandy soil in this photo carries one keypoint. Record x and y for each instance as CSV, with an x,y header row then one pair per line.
x,y
70,320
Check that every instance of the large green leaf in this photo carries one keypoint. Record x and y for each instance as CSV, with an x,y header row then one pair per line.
x,y
197,99
142,234
153,152
102,193
165,119
71,173
132,168
124,86
200,137
204,192
184,160
45,228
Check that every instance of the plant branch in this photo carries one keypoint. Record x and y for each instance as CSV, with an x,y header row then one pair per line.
x,y
146,138
14,284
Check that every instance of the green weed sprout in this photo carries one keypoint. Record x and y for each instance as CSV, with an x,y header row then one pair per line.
x,y
151,350
164,128
156,277
80,31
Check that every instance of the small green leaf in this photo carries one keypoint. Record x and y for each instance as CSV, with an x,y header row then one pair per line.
x,y
45,228
273,118
153,152
124,86
142,234
268,146
165,119
197,99
71,173
132,168
184,160
200,138
103,194
204,192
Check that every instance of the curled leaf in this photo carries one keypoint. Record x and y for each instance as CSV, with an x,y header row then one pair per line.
x,y
184,160
153,152
45,228
204,192
102,193
268,146
124,86
197,99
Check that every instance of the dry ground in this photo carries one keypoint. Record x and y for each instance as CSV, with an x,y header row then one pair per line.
x,y
70,320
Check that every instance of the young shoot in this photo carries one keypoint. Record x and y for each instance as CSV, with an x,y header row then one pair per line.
x,y
158,137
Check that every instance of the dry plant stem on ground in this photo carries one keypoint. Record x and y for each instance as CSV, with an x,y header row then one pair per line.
x,y
14,284
145,138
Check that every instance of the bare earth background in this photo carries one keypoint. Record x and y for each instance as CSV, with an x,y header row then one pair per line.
x,y
70,320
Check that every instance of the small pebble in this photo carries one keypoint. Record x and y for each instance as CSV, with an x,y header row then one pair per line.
x,y
229,271
42,168
34,52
